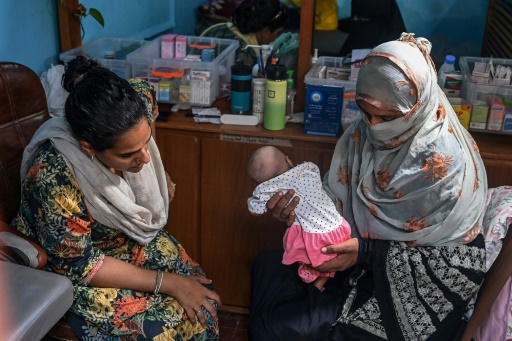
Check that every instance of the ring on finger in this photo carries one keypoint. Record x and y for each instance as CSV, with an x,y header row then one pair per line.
x,y
198,312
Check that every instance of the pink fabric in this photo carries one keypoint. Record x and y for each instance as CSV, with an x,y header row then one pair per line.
x,y
304,247
495,325
308,275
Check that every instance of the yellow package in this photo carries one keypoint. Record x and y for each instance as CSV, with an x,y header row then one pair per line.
x,y
463,112
326,13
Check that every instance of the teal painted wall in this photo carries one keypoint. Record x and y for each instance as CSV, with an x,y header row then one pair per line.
x,y
29,33
29,30
134,19
453,26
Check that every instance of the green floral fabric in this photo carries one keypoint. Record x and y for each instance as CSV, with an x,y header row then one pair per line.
x,y
54,213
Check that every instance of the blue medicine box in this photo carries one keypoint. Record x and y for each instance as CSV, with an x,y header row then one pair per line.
x,y
325,88
322,112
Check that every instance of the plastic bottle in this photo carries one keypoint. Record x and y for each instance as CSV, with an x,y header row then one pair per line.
x,y
448,65
275,98
258,98
290,93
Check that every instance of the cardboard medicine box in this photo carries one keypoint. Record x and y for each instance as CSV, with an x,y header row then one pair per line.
x,y
324,98
322,114
479,113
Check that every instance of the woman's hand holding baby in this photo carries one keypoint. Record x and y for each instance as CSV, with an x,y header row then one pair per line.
x,y
347,253
282,208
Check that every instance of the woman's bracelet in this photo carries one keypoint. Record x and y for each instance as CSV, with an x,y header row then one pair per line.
x,y
159,279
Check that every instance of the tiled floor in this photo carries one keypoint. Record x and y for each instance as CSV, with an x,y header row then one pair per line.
x,y
232,327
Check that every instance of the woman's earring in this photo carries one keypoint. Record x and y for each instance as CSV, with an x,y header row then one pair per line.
x,y
92,157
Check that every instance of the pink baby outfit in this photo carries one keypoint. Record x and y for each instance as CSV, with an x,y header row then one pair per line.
x,y
318,223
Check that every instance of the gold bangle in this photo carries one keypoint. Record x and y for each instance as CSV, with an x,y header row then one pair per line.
x,y
159,280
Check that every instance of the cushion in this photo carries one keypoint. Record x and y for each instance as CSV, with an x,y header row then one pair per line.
x,y
32,301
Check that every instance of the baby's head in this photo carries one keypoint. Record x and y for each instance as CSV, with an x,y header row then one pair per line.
x,y
267,163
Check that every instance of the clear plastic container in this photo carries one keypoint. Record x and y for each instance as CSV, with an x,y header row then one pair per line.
x,y
189,80
485,96
313,77
109,52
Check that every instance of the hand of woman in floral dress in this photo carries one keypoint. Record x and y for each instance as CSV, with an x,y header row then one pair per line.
x,y
192,295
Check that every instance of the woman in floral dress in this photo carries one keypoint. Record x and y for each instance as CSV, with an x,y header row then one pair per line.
x,y
96,197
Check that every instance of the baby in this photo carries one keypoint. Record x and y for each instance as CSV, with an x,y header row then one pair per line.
x,y
318,222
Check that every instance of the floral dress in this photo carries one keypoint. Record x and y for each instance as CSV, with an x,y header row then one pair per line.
x,y
54,213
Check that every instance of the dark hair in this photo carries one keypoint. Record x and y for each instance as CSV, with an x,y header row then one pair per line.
x,y
101,106
254,15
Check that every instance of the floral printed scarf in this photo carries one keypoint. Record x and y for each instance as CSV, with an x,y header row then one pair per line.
x,y
419,178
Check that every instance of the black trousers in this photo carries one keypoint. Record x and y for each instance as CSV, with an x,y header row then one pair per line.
x,y
285,308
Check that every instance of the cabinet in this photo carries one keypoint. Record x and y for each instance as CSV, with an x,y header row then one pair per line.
x,y
209,215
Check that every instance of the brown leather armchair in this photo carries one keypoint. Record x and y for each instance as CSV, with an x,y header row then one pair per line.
x,y
33,301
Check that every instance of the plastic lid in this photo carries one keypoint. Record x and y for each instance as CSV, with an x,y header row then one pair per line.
x,y
449,59
241,70
276,72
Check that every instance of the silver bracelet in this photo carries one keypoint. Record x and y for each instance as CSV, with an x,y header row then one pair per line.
x,y
159,279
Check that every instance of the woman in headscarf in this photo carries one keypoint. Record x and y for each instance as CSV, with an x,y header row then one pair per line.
x,y
410,181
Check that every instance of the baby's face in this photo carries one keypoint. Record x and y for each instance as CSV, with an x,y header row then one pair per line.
x,y
283,164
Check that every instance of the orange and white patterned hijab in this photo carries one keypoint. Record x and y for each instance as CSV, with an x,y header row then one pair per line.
x,y
420,178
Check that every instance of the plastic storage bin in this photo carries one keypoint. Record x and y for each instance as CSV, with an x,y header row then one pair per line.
x,y
188,80
491,104
325,95
330,63
109,52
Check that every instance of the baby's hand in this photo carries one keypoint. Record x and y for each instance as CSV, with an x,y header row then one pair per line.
x,y
319,283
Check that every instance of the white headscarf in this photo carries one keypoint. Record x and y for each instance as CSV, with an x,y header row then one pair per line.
x,y
418,178
137,204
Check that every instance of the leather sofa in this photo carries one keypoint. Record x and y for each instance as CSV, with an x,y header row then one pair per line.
x,y
33,300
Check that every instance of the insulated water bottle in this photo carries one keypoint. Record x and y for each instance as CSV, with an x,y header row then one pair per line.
x,y
275,97
241,87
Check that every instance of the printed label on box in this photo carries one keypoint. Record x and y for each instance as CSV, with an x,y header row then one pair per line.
x,y
479,116
496,114
322,114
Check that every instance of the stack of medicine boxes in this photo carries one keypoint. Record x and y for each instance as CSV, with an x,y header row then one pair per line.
x,y
194,70
490,99
186,69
